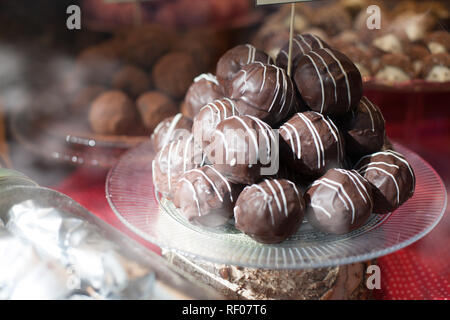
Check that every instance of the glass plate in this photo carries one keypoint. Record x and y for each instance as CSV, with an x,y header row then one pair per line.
x,y
69,140
129,190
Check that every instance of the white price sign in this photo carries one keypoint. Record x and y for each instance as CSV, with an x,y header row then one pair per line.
x,y
265,2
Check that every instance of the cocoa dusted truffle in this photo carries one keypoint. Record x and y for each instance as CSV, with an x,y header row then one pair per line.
x,y
131,80
439,42
203,90
339,202
302,43
172,161
205,197
388,43
315,143
173,73
170,129
394,68
328,81
154,107
234,59
364,130
244,149
436,67
263,91
333,19
391,175
271,211
417,53
112,112
206,121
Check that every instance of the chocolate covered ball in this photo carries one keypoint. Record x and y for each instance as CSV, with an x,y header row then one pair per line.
x,y
234,59
173,73
206,121
112,112
205,197
328,81
203,90
131,80
302,43
364,130
315,143
271,211
170,129
172,161
263,91
244,149
154,107
391,175
339,202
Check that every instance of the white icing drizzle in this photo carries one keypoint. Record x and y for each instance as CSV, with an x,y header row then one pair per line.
x,y
321,46
283,196
330,74
317,139
267,198
274,193
208,77
358,184
305,42
172,126
221,176
194,194
334,131
252,134
370,113
225,143
186,148
345,75
209,181
251,53
316,206
390,175
233,105
322,87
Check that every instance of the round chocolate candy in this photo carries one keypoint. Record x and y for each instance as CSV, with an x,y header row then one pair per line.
x,y
364,129
315,142
244,149
203,90
263,91
205,196
391,175
328,81
206,121
302,43
174,159
153,107
271,211
234,59
112,112
170,129
339,202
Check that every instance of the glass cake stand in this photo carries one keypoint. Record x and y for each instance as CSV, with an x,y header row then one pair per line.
x,y
130,192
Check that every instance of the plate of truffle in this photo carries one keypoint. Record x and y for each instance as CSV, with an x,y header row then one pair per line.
x,y
274,171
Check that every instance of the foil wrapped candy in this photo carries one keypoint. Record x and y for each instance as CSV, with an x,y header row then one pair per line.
x,y
52,248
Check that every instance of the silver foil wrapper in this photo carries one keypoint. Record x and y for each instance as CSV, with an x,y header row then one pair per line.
x,y
52,248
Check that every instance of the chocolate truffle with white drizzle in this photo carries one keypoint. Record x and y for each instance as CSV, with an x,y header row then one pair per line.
x,y
302,43
205,196
174,159
364,130
170,129
270,211
208,118
328,81
203,90
392,177
263,91
234,59
315,143
244,149
339,202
